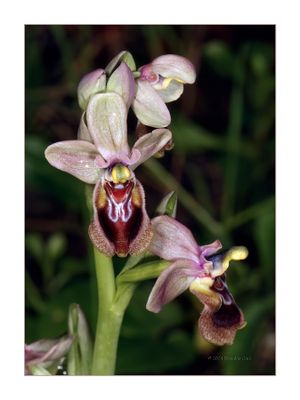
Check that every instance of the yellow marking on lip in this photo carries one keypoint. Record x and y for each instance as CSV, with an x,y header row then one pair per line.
x,y
101,200
202,285
120,173
166,82
136,197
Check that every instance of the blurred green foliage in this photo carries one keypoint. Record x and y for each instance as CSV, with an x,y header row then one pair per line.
x,y
222,168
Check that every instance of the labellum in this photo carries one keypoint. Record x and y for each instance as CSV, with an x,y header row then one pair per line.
x,y
120,213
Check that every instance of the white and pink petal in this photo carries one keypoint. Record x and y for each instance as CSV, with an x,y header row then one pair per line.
x,y
122,82
172,240
150,143
175,67
77,157
90,84
106,117
149,107
171,283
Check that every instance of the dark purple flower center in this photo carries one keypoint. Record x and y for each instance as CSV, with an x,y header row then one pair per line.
x,y
229,313
120,214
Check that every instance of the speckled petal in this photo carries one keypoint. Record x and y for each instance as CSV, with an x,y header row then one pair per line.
x,y
221,317
150,143
148,106
174,66
123,83
106,121
216,334
172,240
171,283
77,157
145,232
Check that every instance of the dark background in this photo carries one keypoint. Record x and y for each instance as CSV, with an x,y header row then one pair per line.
x,y
222,167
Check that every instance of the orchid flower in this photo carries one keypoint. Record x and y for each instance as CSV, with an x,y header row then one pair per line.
x,y
161,82
45,353
102,157
146,90
203,272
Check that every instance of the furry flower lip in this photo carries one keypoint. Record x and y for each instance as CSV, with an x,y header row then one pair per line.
x,y
102,157
202,270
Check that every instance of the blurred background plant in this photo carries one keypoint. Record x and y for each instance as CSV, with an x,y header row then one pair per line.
x,y
222,167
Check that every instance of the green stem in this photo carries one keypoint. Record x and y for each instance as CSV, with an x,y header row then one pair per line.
x,y
108,325
111,309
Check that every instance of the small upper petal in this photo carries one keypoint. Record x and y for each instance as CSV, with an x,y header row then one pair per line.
x,y
209,249
174,66
151,143
172,240
122,82
90,84
149,107
106,121
77,157
171,283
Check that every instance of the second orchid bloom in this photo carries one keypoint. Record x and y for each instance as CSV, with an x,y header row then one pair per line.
x,y
203,272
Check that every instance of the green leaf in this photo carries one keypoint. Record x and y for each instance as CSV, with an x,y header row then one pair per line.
x,y
45,179
132,261
143,272
219,57
56,246
264,235
37,370
80,355
35,245
168,205
52,322
155,356
191,138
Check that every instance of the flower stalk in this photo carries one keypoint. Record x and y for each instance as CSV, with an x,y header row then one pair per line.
x,y
108,324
